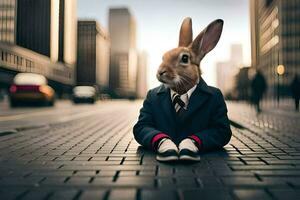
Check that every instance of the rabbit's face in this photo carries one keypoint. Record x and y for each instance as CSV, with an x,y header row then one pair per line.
x,y
179,69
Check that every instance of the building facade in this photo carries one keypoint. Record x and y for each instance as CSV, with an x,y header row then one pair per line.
x,y
123,67
8,21
275,36
227,70
93,55
142,67
48,27
40,37
33,25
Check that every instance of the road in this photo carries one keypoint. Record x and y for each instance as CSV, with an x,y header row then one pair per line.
x,y
21,118
88,152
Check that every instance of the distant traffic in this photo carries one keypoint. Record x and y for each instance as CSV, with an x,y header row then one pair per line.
x,y
33,89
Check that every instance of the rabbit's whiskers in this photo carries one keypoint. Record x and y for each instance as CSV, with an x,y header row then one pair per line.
x,y
183,84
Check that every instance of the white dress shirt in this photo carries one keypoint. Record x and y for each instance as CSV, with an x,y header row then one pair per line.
x,y
184,97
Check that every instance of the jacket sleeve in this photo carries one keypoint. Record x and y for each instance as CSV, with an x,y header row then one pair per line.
x,y
144,130
219,133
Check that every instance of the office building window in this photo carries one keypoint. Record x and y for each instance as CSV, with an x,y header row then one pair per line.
x,y
7,20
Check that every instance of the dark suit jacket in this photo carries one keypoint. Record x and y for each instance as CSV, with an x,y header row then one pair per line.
x,y
206,117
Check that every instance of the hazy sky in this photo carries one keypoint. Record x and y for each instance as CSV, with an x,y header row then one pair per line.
x,y
158,23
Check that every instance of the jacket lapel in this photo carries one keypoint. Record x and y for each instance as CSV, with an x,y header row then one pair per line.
x,y
166,103
197,99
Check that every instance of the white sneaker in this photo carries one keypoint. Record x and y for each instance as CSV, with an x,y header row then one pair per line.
x,y
167,150
188,150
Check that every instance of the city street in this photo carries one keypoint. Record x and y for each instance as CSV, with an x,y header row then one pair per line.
x,y
88,152
73,75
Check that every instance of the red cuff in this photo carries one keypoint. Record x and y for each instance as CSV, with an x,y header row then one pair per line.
x,y
197,139
157,138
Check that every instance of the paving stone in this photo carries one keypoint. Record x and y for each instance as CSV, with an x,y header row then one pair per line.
x,y
248,194
147,173
96,157
65,195
284,194
159,194
97,194
127,173
79,181
209,182
253,182
8,194
207,194
265,167
54,180
85,173
20,181
135,181
126,194
37,194
190,182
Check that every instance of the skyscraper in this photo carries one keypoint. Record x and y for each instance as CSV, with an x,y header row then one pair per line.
x,y
33,25
227,70
123,65
93,54
38,37
275,33
8,21
141,87
48,27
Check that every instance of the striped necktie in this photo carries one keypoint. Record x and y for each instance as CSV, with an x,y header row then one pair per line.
x,y
178,104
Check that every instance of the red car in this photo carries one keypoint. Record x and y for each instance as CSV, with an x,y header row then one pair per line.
x,y
31,88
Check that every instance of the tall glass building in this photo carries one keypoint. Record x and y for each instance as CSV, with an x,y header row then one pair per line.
x,y
8,21
38,36
123,57
93,54
275,41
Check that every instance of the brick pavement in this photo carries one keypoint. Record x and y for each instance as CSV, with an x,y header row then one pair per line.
x,y
97,158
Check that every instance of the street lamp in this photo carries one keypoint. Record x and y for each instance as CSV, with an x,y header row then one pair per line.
x,y
280,71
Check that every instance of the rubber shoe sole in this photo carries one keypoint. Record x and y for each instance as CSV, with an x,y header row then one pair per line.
x,y
170,155
188,155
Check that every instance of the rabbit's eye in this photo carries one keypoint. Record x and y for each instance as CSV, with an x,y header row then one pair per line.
x,y
185,59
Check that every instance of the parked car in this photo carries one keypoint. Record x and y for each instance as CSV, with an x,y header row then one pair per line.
x,y
84,94
31,88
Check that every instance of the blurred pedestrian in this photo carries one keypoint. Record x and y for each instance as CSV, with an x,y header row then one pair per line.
x,y
1,94
258,88
295,88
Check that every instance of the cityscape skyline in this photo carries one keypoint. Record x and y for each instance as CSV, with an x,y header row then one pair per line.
x,y
39,38
83,116
92,55
123,52
50,33
158,32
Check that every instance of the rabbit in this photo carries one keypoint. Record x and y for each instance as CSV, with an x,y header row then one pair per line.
x,y
184,116
180,67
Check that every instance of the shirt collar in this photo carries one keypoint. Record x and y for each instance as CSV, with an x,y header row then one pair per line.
x,y
201,87
188,93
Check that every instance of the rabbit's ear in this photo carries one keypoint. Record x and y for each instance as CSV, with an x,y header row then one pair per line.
x,y
186,33
207,39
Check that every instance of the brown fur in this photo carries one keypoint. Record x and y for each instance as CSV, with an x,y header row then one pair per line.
x,y
179,76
